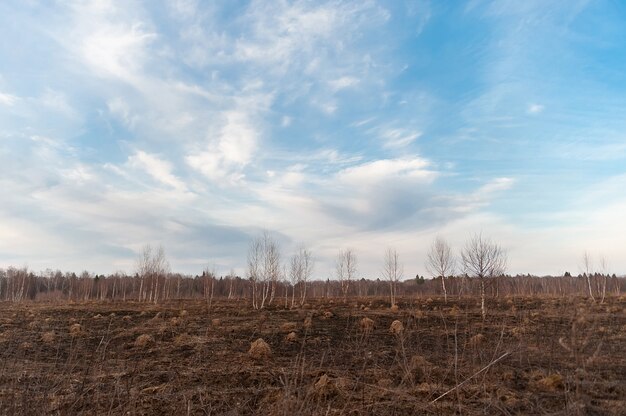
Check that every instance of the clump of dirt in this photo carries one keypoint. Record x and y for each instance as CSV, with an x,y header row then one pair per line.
x,y
415,369
308,322
324,387
76,330
144,340
291,337
260,349
418,314
328,315
551,383
288,327
477,340
367,325
48,337
216,322
127,318
394,308
182,313
396,327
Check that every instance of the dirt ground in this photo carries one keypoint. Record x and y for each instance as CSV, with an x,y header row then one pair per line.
x,y
529,356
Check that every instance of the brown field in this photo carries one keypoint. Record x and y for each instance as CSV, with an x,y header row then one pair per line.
x,y
537,356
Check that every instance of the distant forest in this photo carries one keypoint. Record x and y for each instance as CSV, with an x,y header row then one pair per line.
x,y
20,284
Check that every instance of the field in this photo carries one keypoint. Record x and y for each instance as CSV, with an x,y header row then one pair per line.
x,y
529,356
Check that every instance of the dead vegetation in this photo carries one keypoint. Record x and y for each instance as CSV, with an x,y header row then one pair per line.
x,y
528,356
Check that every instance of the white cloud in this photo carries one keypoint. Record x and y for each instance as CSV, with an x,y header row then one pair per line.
x,y
535,108
496,185
7,99
57,101
395,137
159,169
385,169
230,152
120,108
116,50
343,82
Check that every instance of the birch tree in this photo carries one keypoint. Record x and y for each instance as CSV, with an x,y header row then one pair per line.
x,y
392,272
300,270
345,270
483,259
440,263
264,270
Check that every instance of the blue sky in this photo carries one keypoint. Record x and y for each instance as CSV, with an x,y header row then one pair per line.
x,y
335,124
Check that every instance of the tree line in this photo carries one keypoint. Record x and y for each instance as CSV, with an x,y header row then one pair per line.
x,y
479,269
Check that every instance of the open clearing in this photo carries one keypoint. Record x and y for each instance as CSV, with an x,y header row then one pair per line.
x,y
538,356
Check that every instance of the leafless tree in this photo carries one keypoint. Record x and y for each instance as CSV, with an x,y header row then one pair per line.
x,y
483,259
346,269
300,270
587,270
152,267
231,282
208,278
392,272
604,278
255,257
440,262
264,269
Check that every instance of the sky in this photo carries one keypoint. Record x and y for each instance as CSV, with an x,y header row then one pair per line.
x,y
335,125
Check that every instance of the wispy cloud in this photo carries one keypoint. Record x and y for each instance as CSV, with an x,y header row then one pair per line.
x,y
7,99
361,123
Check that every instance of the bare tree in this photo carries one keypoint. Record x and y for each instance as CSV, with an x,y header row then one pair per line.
x,y
264,269
392,271
255,256
483,259
587,270
345,269
300,270
440,262
272,271
152,267
604,277
306,262
208,278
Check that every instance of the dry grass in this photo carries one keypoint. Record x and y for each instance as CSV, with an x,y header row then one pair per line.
x,y
144,340
288,327
396,327
260,349
291,337
477,340
48,337
76,330
367,324
571,359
